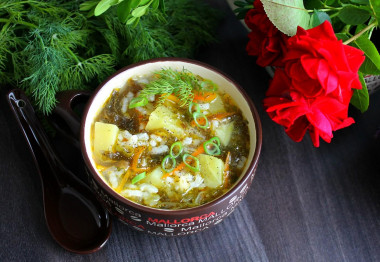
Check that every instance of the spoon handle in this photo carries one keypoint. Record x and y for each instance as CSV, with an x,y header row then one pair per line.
x,y
64,119
43,154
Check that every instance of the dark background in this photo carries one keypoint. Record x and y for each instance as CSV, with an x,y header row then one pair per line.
x,y
305,203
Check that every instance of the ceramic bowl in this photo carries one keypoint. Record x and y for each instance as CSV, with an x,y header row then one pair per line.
x,y
171,222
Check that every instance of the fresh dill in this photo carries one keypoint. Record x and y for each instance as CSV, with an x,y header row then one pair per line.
x,y
181,84
50,46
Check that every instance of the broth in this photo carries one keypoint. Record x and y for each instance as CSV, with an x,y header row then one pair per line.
x,y
170,140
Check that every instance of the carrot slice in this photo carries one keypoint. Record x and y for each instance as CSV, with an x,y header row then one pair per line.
x,y
227,168
123,181
198,151
201,121
141,169
221,116
171,97
136,157
204,96
218,116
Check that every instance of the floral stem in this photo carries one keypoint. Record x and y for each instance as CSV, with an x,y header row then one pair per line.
x,y
326,9
365,29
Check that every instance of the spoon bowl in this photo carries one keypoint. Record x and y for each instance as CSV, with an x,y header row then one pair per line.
x,y
74,216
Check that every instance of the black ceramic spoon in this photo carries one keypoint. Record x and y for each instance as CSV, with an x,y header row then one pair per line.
x,y
75,218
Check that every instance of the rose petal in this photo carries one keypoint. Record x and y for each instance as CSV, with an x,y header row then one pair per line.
x,y
324,31
310,65
355,56
319,120
298,130
280,84
314,135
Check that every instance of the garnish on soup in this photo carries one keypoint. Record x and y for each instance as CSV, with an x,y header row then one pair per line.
x,y
170,140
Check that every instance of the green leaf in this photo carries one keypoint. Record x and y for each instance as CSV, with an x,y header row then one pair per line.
x,y
286,15
354,15
140,11
360,98
155,4
360,2
123,10
342,36
240,3
88,5
134,3
371,64
133,21
318,17
162,6
375,7
360,28
103,6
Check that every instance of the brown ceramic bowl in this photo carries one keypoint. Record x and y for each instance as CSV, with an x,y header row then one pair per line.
x,y
171,222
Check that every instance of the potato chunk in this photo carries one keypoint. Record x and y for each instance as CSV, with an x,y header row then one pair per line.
x,y
154,178
211,169
217,106
163,118
105,136
224,132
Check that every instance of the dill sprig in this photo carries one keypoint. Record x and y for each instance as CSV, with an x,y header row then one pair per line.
x,y
49,46
179,83
187,25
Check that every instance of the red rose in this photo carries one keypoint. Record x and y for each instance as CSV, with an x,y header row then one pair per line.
x,y
319,64
265,40
298,113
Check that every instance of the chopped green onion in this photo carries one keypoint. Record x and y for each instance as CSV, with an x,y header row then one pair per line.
x,y
138,178
199,115
197,108
204,84
211,148
164,162
138,101
208,85
193,158
215,138
179,151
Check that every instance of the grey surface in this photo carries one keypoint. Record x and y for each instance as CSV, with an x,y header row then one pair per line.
x,y
305,203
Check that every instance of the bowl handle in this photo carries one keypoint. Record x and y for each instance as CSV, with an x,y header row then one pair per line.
x,y
66,116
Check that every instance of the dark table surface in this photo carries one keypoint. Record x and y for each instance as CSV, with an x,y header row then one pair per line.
x,y
305,203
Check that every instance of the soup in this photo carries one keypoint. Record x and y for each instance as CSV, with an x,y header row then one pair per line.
x,y
170,140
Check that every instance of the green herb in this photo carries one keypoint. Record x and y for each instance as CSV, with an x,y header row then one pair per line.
x,y
128,11
138,177
193,165
200,116
186,25
212,146
215,140
138,101
197,108
169,81
53,45
53,66
165,161
179,150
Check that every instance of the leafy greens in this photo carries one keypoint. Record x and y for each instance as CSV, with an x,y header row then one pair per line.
x,y
50,46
